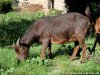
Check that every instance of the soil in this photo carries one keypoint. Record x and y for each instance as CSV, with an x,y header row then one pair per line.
x,y
32,8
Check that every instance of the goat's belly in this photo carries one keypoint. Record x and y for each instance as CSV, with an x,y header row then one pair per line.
x,y
62,41
59,41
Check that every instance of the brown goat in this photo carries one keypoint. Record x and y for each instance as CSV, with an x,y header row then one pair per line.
x,y
97,26
97,31
68,27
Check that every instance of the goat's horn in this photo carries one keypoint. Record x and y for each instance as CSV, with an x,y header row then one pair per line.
x,y
17,43
13,43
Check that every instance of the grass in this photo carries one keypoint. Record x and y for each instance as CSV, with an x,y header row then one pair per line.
x,y
14,24
59,65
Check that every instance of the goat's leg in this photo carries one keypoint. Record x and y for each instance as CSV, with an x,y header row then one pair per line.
x,y
76,48
97,40
49,50
93,49
44,47
83,45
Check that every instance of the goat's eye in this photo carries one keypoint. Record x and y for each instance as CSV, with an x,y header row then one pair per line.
x,y
21,49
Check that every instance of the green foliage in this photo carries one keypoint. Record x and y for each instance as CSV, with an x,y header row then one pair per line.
x,y
14,25
5,6
95,9
54,12
59,65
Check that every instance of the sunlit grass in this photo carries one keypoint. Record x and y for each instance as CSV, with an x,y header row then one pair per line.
x,y
60,63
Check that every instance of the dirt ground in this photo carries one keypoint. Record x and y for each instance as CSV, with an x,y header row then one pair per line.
x,y
32,8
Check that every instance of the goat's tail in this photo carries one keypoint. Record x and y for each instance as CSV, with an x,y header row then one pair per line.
x,y
88,13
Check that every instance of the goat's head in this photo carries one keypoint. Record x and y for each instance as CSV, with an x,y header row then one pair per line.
x,y
20,50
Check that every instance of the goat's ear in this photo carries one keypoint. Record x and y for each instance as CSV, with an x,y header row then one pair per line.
x,y
96,20
12,46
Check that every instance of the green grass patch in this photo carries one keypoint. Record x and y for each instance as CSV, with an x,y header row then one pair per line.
x,y
14,24
60,64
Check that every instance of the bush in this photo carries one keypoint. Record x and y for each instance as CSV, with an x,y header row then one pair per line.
x,y
54,12
13,25
95,10
5,6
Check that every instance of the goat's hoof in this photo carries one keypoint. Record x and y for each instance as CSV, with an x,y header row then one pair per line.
x,y
82,60
50,56
71,58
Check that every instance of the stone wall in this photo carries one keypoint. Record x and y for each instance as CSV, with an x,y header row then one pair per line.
x,y
59,4
47,4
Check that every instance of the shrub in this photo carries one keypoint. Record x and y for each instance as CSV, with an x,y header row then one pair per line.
x,y
5,6
13,25
95,9
54,12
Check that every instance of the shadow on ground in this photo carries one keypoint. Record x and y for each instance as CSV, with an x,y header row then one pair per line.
x,y
65,50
